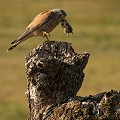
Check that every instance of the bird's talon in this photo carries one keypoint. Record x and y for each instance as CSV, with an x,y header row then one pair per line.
x,y
45,34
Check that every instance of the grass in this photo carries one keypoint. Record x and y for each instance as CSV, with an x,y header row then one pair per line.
x,y
10,111
96,26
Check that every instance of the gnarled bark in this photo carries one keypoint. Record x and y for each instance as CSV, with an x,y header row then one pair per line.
x,y
55,74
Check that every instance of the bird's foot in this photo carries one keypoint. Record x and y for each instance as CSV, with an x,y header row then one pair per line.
x,y
45,34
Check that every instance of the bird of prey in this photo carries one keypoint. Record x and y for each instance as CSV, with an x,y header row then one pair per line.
x,y
43,24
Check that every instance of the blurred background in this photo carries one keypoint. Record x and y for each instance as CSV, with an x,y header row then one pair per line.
x,y
96,26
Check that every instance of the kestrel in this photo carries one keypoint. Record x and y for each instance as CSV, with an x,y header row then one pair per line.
x,y
43,24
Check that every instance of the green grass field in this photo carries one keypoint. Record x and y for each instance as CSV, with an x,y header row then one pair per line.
x,y
96,26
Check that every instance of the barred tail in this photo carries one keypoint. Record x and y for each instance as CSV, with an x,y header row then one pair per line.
x,y
15,45
14,41
26,33
11,48
22,38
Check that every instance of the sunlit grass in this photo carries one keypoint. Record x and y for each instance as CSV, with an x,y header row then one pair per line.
x,y
96,26
12,111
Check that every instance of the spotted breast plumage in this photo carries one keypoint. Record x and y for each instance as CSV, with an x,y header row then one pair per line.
x,y
42,25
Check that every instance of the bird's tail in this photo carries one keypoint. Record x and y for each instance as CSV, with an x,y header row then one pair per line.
x,y
11,48
16,43
22,38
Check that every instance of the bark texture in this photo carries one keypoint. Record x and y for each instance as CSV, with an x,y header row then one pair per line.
x,y
55,74
103,106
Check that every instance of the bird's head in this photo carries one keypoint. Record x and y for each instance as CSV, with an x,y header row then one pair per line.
x,y
61,12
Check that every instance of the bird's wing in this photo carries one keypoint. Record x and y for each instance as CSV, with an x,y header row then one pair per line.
x,y
38,21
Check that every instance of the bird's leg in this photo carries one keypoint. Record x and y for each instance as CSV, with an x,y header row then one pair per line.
x,y
45,34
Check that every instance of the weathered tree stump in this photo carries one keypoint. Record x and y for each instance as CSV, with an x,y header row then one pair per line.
x,y
55,74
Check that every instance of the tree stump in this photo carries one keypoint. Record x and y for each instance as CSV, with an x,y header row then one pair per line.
x,y
55,74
